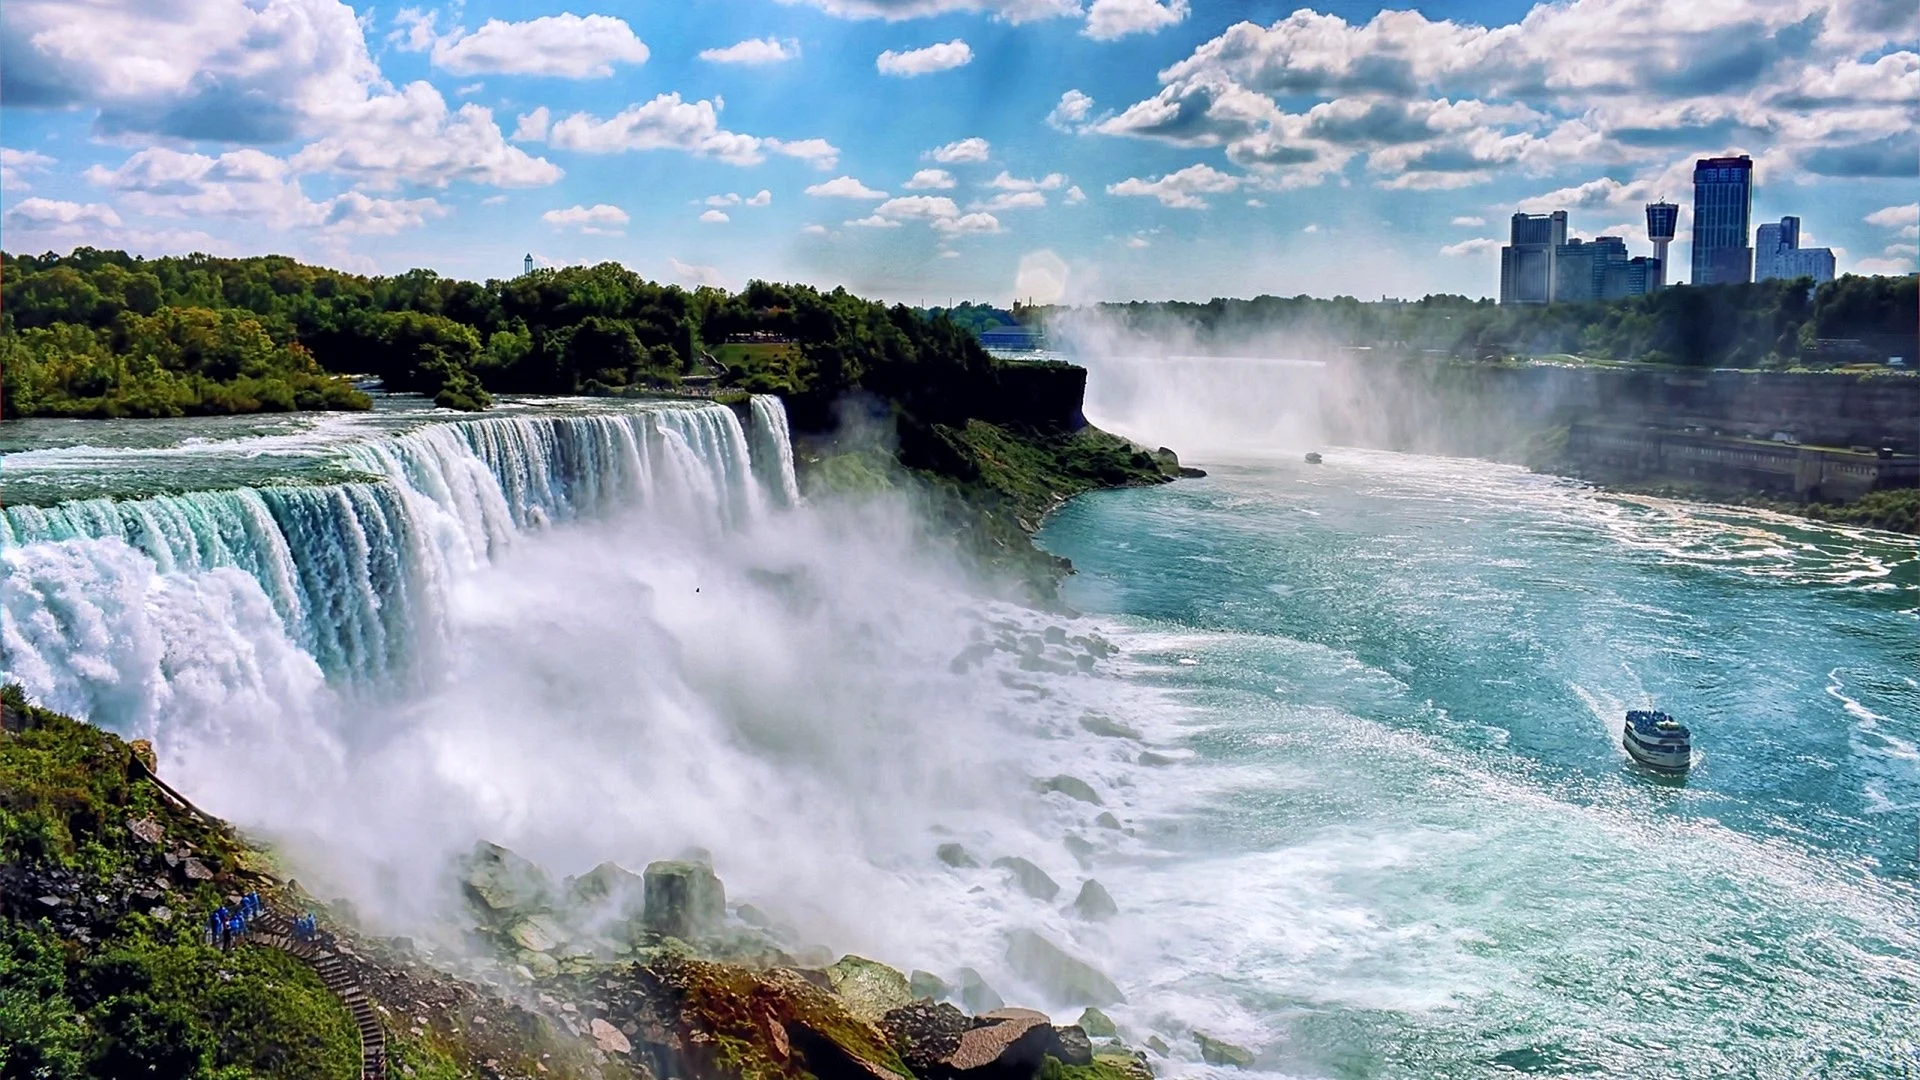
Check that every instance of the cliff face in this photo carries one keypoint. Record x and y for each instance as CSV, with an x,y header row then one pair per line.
x,y
1462,408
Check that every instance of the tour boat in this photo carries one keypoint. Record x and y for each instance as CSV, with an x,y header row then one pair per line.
x,y
1313,457
1658,741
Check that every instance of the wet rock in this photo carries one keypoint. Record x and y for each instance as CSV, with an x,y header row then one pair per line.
x,y
1054,635
1005,1042
537,964
1095,1023
925,1035
537,933
609,890
1075,1048
868,988
1148,757
1106,820
683,899
1158,1045
195,869
697,855
1222,1053
146,830
1108,727
1081,848
499,883
1032,880
1094,902
609,1038
754,917
1072,787
1063,977
1130,1064
975,995
925,984
954,855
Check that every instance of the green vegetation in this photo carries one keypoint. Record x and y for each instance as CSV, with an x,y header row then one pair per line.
x,y
1768,324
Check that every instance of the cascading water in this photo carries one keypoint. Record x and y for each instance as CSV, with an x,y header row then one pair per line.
x,y
357,570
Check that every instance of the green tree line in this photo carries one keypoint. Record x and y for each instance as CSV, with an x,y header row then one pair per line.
x,y
1767,324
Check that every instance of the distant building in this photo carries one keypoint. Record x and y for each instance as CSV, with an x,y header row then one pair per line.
x,y
527,266
1590,270
1638,276
1527,270
1722,207
1662,219
1777,254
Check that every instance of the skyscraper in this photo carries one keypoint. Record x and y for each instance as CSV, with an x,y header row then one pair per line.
x,y
1662,219
1527,262
1777,254
1722,205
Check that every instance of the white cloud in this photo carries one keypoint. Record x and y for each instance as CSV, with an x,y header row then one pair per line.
x,y
1311,228
939,212
761,198
1109,19
1013,11
814,230
1893,266
1075,196
1071,111
1008,182
714,217
247,185
918,206
597,220
412,137
1014,200
1904,218
729,199
1469,220
874,221
753,52
493,200
563,46
1257,203
961,152
942,57
533,126
38,213
1138,242
1180,189
15,163
966,223
844,187
696,275
1475,246
693,127
930,178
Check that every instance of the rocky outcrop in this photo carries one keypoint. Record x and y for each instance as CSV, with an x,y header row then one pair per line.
x,y
954,855
1223,1053
869,989
1094,902
683,900
1032,880
1064,978
939,1042
975,994
1071,786
499,883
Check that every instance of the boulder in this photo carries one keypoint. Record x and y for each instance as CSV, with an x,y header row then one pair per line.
x,y
1080,848
925,1034
870,990
1094,902
1148,757
975,995
609,1038
1071,786
1032,880
607,890
499,883
1219,1052
954,855
1009,1042
925,984
1131,1065
754,917
683,899
1107,727
538,964
1097,1024
143,753
1158,1045
146,830
1075,1048
1064,978
537,933
1106,820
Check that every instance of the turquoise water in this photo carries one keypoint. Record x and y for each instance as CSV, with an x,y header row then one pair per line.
x,y
1406,841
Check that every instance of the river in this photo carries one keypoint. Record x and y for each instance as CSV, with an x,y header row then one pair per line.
x,y
1360,797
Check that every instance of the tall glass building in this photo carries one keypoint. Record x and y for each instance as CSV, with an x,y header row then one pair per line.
x,y
1722,206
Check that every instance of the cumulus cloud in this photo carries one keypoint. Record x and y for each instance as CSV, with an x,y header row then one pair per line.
x,y
598,220
940,213
1014,200
564,46
930,179
251,186
961,152
1071,111
1075,196
715,217
844,187
532,126
1008,182
814,230
1013,11
1469,219
1906,219
14,164
413,137
696,275
38,213
1138,242
669,123
942,57
1475,246
1181,189
753,52
1109,19
762,197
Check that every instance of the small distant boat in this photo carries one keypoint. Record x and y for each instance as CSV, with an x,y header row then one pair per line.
x,y
1658,741
1313,457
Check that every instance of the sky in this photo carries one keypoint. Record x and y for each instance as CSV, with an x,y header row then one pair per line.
x,y
938,150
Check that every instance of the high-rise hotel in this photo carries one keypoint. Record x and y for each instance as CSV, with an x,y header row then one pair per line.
x,y
1722,207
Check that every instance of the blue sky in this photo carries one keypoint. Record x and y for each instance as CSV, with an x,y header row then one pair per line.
x,y
945,149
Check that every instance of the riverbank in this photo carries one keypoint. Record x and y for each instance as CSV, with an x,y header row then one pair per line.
x,y
106,970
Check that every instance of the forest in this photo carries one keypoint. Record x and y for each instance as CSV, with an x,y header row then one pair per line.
x,y
101,333
1768,324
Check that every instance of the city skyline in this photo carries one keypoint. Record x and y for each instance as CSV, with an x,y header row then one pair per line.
x,y
911,149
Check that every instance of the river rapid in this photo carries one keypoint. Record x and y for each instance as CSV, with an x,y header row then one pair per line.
x,y
1351,731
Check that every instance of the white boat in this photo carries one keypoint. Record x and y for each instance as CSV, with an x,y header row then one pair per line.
x,y
1658,741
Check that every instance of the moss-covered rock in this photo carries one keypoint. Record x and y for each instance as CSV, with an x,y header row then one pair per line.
x,y
1223,1053
501,885
683,899
869,989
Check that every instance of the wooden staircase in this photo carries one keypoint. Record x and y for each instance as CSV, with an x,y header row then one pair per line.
x,y
275,931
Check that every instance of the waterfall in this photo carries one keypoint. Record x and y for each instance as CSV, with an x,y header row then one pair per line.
x,y
356,572
773,450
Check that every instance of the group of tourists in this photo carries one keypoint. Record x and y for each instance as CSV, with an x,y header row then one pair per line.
x,y
226,926
306,927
